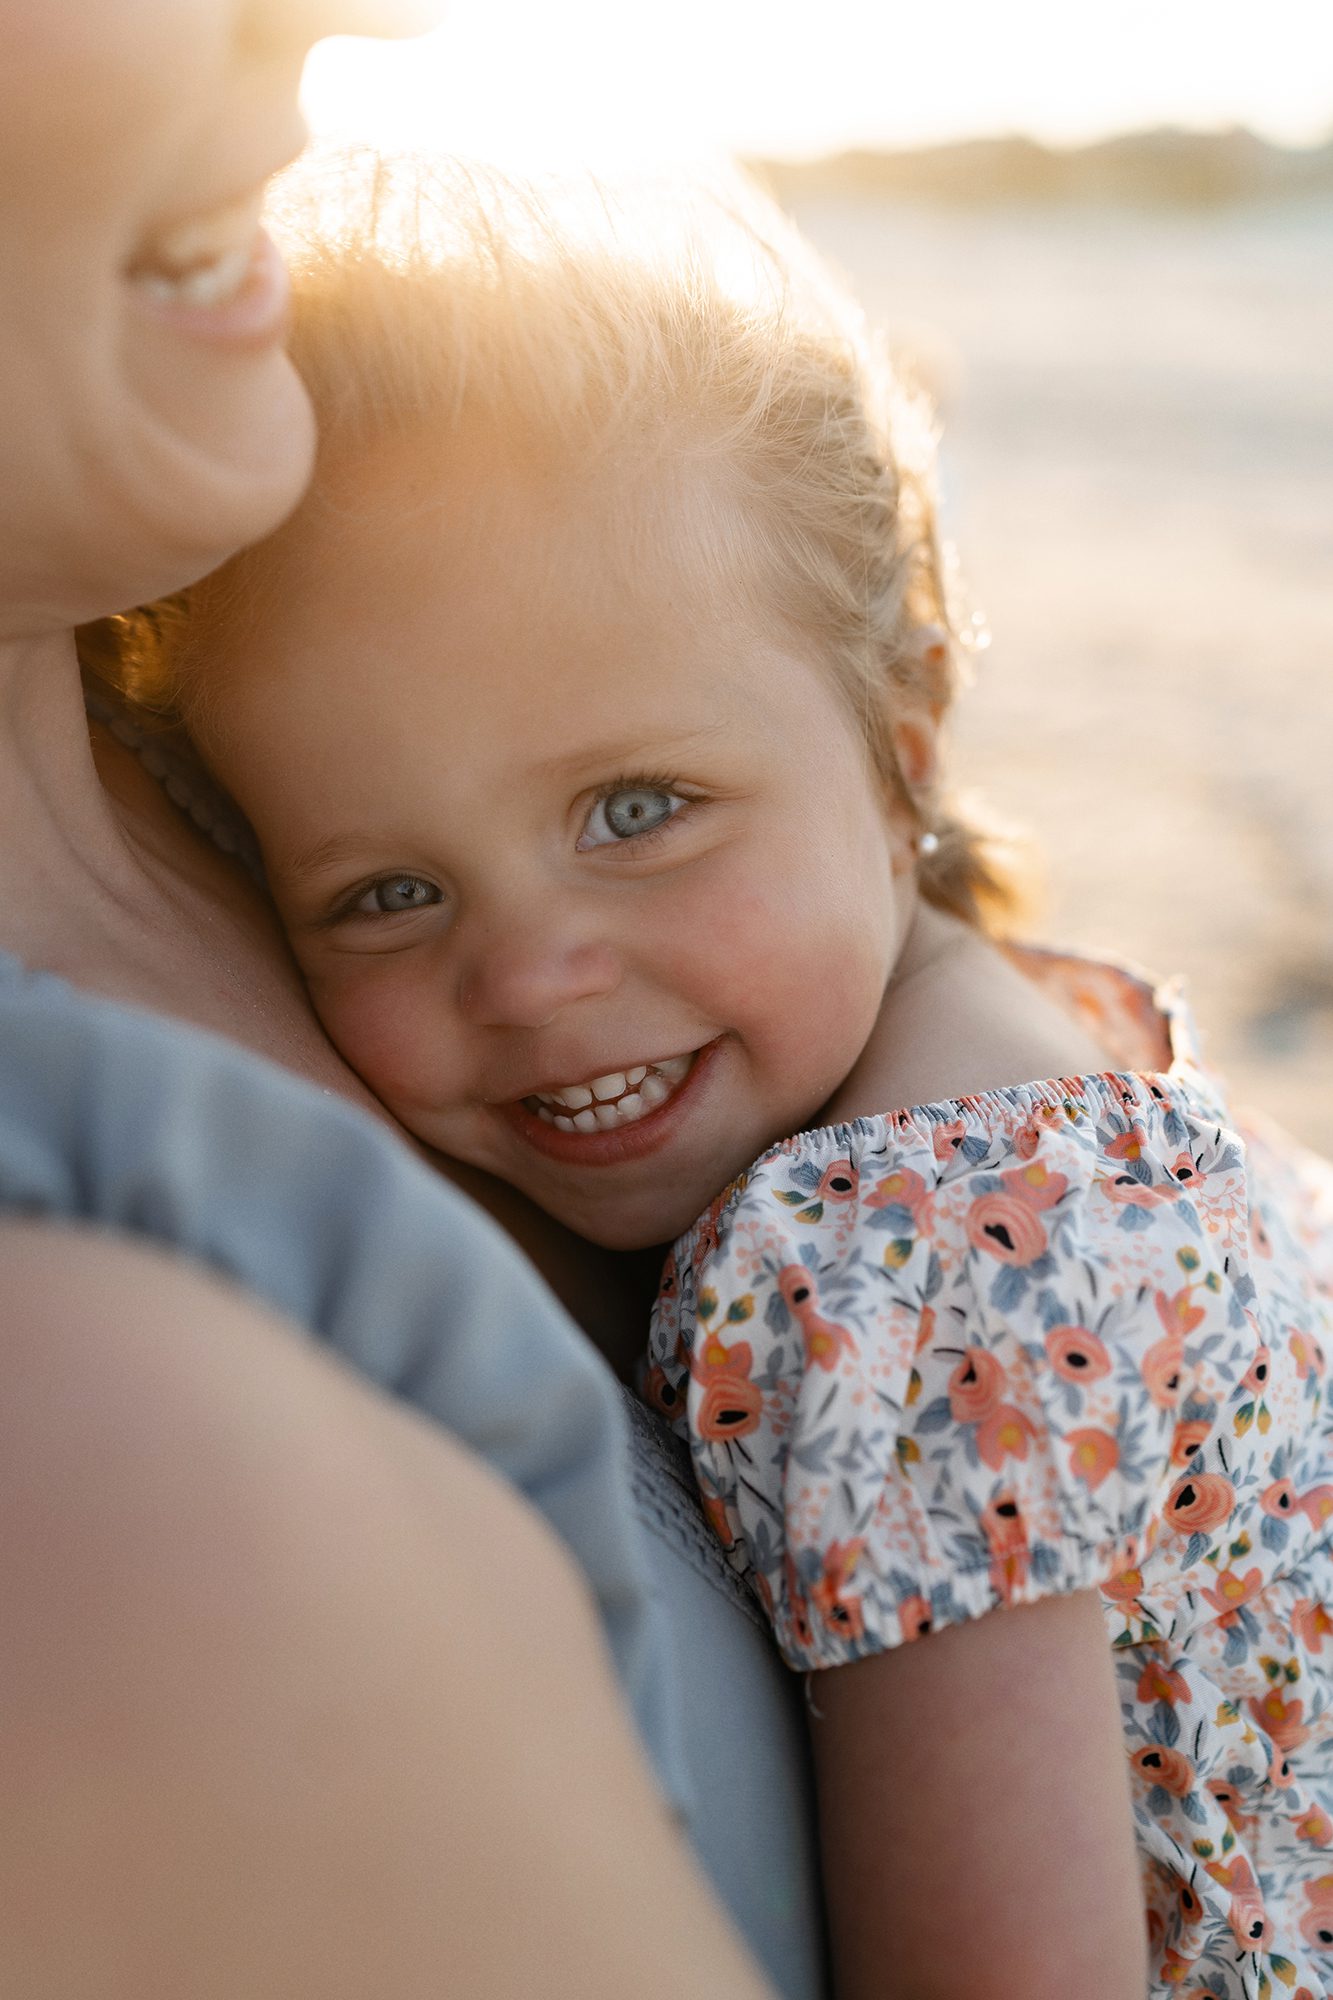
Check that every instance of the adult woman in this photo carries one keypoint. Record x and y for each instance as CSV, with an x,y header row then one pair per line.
x,y
271,1715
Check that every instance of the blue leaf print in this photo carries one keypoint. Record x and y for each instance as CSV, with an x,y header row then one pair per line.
x,y
776,1316
1273,1533
1011,1283
1195,1549
812,1454
1192,1807
936,1416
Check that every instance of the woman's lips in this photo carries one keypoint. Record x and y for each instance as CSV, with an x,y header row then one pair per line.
x,y
237,297
619,1143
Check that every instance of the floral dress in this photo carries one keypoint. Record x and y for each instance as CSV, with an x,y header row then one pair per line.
x,y
1061,1336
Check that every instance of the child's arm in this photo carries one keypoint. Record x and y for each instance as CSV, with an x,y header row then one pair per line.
x,y
975,1814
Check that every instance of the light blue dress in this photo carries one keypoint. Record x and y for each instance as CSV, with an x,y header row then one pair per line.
x,y
123,1119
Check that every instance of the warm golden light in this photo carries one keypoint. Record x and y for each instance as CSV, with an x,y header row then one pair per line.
x,y
528,81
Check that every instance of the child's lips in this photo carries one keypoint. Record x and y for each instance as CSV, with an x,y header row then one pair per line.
x,y
610,1144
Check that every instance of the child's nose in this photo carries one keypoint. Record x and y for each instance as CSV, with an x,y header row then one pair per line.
x,y
524,978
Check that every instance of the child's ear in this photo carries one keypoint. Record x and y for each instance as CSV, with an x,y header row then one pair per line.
x,y
916,746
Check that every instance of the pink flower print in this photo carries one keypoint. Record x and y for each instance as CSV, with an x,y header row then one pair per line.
x,y
1311,1623
1003,1435
825,1341
1281,1720
837,1183
1256,1379
798,1611
1076,1354
925,1329
1251,1926
1259,1236
1183,1170
1198,1502
1158,1682
975,1386
840,1611
1163,1371
1129,1191
1006,1228
1317,1505
947,1137
1093,1456
1315,1826
731,1404
1006,1536
1231,1591
718,1516
1035,1184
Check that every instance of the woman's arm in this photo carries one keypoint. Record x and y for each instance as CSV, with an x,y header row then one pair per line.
x,y
296,1698
975,1814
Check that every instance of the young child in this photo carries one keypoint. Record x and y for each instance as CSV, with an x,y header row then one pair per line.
x,y
588,718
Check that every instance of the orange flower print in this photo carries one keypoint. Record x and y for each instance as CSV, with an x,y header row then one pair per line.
x,y
1027,1139
1076,1354
1317,1505
1231,1591
1171,1769
925,1329
1093,1454
1177,1315
1305,1353
1006,1534
1281,1720
1279,1499
1317,1919
731,1404
1229,1799
1158,1682
903,1188
1256,1378
1311,1623
840,1611
1188,1438
825,1341
1127,1145
718,1517
1163,1371
661,1393
798,1611
948,1137
1035,1184
1004,1434
975,1386
914,1618
1198,1502
1005,1228
1125,1588
1251,1926
1174,1967
838,1182
1315,1826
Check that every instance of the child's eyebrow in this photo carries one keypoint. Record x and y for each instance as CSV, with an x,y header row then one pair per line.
x,y
326,854
646,744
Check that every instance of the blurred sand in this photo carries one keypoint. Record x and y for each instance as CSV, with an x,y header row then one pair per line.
x,y
1139,474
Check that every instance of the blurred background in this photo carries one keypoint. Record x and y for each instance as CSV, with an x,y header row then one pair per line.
x,y
1107,236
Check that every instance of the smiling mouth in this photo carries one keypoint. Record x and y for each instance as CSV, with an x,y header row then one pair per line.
x,y
205,260
620,1098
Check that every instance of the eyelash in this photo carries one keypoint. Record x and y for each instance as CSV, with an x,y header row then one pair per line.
x,y
629,781
646,781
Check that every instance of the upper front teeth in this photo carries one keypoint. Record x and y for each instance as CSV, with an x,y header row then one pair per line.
x,y
202,260
617,1098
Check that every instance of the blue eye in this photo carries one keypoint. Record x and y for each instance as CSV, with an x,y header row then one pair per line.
x,y
629,812
398,892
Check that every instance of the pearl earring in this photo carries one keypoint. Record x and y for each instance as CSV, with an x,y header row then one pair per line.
x,y
927,844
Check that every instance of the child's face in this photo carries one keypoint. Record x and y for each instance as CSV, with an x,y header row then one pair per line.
x,y
553,828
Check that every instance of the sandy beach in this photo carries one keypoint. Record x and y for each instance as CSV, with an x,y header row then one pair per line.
x,y
1138,472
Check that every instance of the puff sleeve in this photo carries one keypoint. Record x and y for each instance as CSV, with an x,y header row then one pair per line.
x,y
943,1361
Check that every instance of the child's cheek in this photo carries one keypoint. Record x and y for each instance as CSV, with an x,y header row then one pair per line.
x,y
381,1016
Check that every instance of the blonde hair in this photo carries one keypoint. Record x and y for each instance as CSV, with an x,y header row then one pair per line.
x,y
692,324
